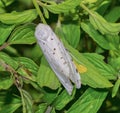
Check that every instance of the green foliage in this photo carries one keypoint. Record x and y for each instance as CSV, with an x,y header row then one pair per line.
x,y
70,29
5,80
4,3
9,103
26,101
91,99
23,35
63,99
62,7
91,77
18,17
100,40
102,25
5,31
90,31
47,80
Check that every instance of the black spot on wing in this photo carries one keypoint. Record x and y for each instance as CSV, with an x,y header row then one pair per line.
x,y
64,62
76,70
61,57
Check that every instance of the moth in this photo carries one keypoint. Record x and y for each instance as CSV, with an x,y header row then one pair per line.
x,y
58,57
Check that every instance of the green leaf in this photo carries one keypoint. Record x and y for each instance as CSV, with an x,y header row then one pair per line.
x,y
102,6
46,77
95,35
46,13
10,108
113,15
9,103
113,41
41,108
53,111
102,25
71,34
2,10
5,80
44,108
90,1
89,102
26,101
62,100
4,3
34,53
4,58
105,69
25,66
18,17
49,110
49,97
28,68
92,76
115,62
116,88
13,51
62,7
5,31
23,35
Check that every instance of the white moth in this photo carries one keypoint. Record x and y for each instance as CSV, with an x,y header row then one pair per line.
x,y
57,57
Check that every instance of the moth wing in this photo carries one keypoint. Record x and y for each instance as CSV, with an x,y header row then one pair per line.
x,y
63,79
48,40
57,66
74,75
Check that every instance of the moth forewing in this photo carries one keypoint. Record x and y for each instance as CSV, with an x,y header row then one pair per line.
x,y
53,59
58,58
63,79
74,75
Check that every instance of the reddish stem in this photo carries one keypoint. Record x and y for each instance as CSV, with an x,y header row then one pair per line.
x,y
4,46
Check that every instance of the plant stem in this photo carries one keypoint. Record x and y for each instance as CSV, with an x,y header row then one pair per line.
x,y
85,8
39,11
4,46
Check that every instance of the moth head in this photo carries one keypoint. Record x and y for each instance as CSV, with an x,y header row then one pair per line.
x,y
42,32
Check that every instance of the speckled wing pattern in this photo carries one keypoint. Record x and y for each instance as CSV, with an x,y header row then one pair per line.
x,y
57,57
